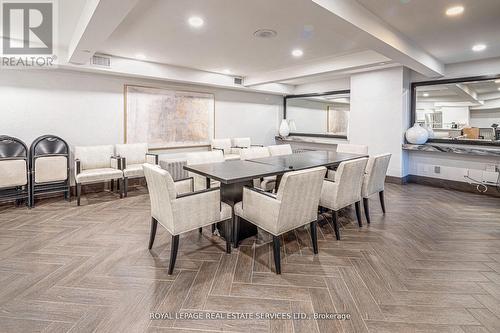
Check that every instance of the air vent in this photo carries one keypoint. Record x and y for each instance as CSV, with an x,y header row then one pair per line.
x,y
265,33
238,80
101,61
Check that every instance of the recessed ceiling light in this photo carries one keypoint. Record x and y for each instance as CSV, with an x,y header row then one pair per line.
x,y
140,56
455,10
226,71
479,47
195,21
426,94
297,53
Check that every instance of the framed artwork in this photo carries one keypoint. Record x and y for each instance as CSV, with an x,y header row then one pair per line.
x,y
166,118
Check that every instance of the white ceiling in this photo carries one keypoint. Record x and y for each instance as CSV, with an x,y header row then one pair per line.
x,y
447,38
159,30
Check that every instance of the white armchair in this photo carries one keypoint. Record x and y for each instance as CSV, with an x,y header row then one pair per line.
x,y
14,170
295,205
239,144
279,150
180,213
133,156
344,190
265,183
200,182
96,164
350,149
374,180
225,146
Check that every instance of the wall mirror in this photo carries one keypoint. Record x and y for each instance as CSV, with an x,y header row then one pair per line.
x,y
321,115
463,110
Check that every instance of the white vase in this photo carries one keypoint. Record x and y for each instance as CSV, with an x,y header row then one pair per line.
x,y
430,131
284,129
417,134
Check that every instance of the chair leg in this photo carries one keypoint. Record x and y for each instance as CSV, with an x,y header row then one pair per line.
x,y
335,217
174,246
277,254
152,234
358,213
200,230
125,186
228,236
120,183
314,236
112,185
236,230
78,193
382,201
213,228
366,206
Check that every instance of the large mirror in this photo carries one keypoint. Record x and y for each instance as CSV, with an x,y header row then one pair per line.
x,y
325,114
460,110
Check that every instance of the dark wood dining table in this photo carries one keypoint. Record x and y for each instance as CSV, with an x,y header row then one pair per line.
x,y
234,175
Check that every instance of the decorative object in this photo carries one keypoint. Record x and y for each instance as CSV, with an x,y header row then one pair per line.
x,y
417,134
284,129
430,131
165,118
292,125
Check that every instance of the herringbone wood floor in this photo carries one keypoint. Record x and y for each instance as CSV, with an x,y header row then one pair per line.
x,y
431,264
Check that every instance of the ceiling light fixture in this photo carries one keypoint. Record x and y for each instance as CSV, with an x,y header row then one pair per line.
x,y
140,56
195,21
479,47
297,53
426,94
455,10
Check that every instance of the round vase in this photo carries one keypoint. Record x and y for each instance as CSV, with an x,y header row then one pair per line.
x,y
284,128
417,134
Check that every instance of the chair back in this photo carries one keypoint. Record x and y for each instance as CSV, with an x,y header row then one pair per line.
x,y
134,153
299,193
242,142
161,190
94,157
374,178
224,144
352,149
278,150
254,152
214,156
349,177
13,162
49,157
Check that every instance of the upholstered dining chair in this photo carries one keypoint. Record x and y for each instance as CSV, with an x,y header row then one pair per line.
x,y
265,183
14,170
348,148
96,164
344,190
133,156
279,150
294,205
49,159
226,147
181,213
374,180
242,143
200,182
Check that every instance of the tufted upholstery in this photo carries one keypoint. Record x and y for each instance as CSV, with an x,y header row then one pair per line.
x,y
295,204
266,183
374,178
51,169
179,215
94,157
346,189
13,173
352,149
134,153
278,150
214,156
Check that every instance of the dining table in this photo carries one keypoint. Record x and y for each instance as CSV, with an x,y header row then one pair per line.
x,y
234,175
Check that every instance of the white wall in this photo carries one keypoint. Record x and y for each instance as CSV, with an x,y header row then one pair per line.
x,y
87,109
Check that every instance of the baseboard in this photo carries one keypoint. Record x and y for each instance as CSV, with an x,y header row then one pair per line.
x,y
396,180
451,185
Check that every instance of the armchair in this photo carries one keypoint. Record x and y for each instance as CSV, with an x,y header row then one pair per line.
x,y
224,145
295,205
14,170
242,143
279,150
181,213
200,182
133,156
96,164
49,158
344,190
374,180
265,183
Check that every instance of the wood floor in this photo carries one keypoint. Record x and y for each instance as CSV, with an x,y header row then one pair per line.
x,y
431,264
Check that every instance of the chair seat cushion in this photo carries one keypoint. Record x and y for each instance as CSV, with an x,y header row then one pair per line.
x,y
133,170
13,173
330,174
51,169
268,183
231,157
225,211
94,175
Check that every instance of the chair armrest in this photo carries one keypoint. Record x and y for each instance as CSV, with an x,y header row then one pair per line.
x,y
197,192
78,166
260,191
183,186
152,158
118,162
261,208
213,148
256,145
